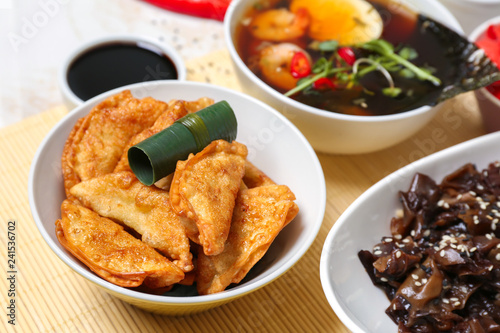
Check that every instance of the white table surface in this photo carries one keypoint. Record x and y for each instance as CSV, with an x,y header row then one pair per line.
x,y
37,35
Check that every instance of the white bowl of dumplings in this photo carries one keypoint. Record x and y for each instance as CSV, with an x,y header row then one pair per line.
x,y
278,151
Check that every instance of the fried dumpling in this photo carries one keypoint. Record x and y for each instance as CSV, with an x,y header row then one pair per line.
x,y
145,209
97,141
200,103
111,252
259,215
254,177
204,190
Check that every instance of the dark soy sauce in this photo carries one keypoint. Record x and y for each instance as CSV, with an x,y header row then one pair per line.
x,y
114,65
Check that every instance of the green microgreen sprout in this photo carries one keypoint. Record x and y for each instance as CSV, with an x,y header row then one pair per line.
x,y
383,57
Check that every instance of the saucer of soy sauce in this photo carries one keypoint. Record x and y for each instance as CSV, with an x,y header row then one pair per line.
x,y
115,61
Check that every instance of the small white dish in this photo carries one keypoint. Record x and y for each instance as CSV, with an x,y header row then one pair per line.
x,y
357,302
71,100
488,104
274,145
471,13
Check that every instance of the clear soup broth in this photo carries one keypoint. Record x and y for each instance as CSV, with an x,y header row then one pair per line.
x,y
401,27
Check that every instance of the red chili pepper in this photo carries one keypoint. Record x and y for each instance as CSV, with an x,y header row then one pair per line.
x,y
347,54
323,84
212,9
300,66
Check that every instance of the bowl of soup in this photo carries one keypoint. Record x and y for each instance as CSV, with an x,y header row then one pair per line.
x,y
280,51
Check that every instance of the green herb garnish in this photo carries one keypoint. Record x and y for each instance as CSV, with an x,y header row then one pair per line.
x,y
382,57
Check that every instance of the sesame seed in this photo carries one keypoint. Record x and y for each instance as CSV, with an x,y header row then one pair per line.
x,y
456,304
489,217
406,240
463,289
493,226
459,196
489,236
440,203
414,276
427,233
377,253
394,306
437,248
453,246
424,280
383,279
473,249
446,301
388,240
398,237
490,268
480,187
442,253
446,205
453,299
418,284
412,233
472,193
497,256
398,254
476,219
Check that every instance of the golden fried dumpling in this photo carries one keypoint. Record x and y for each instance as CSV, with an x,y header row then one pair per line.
x,y
97,141
111,252
145,209
200,103
254,177
259,215
204,190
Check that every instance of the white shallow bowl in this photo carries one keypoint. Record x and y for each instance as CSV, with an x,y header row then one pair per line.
x,y
270,138
489,105
471,13
356,301
331,132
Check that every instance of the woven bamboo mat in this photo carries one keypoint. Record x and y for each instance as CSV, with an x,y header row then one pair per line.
x,y
51,298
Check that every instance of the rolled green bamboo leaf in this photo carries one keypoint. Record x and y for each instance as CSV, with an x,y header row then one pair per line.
x,y
157,156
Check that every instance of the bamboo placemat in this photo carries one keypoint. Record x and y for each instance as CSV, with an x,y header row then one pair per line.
x,y
51,298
